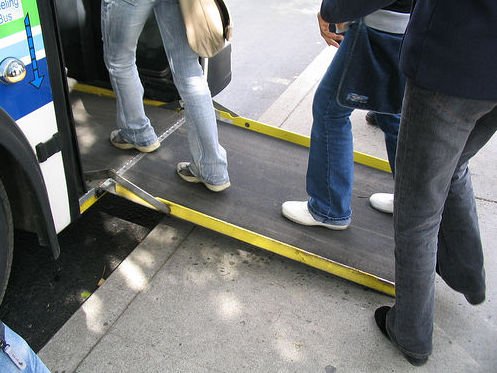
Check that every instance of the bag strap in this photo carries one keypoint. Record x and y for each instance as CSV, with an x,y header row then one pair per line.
x,y
226,18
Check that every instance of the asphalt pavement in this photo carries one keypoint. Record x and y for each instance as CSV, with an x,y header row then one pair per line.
x,y
43,294
191,300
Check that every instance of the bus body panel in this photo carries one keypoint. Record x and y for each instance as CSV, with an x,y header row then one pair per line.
x,y
30,102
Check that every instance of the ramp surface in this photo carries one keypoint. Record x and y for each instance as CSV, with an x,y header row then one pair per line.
x,y
264,173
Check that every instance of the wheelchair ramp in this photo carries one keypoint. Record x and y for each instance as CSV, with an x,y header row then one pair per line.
x,y
265,171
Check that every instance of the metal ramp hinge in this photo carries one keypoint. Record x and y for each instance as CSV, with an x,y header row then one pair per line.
x,y
111,179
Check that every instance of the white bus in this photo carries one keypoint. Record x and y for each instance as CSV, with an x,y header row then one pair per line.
x,y
42,186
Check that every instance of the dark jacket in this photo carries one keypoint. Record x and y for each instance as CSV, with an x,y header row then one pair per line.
x,y
451,47
338,11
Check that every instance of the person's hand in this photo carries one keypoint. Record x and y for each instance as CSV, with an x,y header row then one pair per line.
x,y
329,37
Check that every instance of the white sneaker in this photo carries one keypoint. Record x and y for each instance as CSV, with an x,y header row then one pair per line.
x,y
298,212
116,140
382,202
183,170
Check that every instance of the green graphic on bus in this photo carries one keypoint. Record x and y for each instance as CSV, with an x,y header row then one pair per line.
x,y
12,13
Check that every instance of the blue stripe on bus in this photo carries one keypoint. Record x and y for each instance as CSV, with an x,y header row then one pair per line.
x,y
21,49
22,98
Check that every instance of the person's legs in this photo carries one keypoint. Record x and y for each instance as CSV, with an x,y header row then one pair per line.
x,y
461,269
330,170
389,124
434,131
209,157
460,255
122,23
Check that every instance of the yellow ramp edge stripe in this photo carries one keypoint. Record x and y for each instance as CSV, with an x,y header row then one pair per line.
x,y
98,91
296,138
340,270
83,207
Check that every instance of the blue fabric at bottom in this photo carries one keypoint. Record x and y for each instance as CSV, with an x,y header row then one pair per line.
x,y
21,349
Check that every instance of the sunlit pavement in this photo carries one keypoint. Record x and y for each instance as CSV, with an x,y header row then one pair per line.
x,y
190,300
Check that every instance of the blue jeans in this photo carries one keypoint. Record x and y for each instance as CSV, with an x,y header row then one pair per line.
x,y
122,23
20,349
330,170
435,210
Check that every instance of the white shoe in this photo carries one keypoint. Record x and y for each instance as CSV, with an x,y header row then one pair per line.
x,y
183,170
120,143
382,202
298,212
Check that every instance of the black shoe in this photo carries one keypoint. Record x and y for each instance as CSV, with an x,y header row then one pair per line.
x,y
475,298
380,316
371,119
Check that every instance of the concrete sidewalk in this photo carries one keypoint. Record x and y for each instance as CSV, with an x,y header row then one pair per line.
x,y
190,300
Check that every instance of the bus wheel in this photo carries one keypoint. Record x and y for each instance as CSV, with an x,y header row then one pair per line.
x,y
6,240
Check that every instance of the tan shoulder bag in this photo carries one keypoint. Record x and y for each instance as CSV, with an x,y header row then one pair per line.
x,y
208,25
